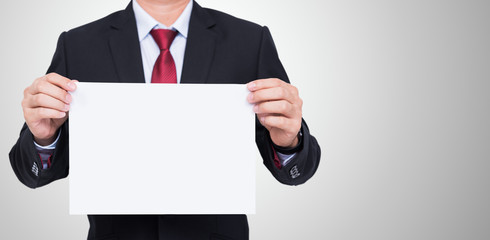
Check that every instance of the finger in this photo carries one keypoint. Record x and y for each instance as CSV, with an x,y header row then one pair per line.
x,y
46,101
272,94
51,90
264,83
35,114
62,82
261,117
282,107
280,122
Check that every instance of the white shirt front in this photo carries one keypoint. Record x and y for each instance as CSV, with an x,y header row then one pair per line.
x,y
149,48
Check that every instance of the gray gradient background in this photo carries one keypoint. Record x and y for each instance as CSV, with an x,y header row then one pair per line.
x,y
396,92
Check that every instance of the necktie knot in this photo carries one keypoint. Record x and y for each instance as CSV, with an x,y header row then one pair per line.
x,y
163,37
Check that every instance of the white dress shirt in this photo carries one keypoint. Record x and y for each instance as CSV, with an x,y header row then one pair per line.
x,y
149,48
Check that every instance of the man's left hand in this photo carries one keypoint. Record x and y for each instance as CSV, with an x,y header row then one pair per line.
x,y
278,107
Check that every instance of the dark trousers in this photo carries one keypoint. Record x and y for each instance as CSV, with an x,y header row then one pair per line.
x,y
168,227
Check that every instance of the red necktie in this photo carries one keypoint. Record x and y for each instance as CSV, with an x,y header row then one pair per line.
x,y
164,70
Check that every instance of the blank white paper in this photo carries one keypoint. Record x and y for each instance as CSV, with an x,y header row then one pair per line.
x,y
161,149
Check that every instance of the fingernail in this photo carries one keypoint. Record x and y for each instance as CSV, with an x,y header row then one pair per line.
x,y
251,86
250,97
71,86
62,114
67,107
256,109
68,98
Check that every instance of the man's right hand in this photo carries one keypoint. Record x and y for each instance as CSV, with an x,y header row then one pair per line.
x,y
45,105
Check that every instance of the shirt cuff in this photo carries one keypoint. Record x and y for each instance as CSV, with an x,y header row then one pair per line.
x,y
285,155
50,146
285,158
292,150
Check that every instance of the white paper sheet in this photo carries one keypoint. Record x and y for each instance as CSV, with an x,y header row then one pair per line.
x,y
161,149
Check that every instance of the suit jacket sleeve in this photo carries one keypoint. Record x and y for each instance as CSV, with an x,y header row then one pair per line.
x,y
305,162
24,157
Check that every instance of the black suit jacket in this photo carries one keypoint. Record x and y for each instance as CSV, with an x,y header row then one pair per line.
x,y
220,49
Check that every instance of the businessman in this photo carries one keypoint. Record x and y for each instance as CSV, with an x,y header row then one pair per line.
x,y
166,41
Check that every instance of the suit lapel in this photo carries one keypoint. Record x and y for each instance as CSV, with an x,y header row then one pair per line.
x,y
199,52
125,48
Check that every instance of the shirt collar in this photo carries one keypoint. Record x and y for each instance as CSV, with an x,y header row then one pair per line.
x,y
145,23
